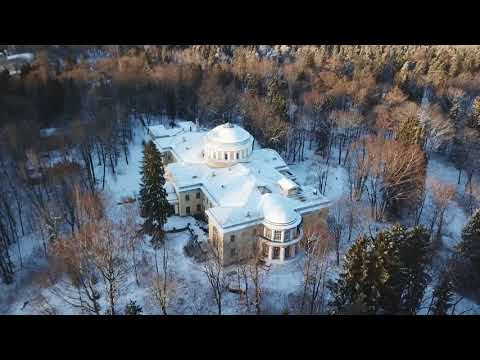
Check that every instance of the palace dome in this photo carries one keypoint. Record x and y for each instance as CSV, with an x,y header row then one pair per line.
x,y
227,144
277,212
228,134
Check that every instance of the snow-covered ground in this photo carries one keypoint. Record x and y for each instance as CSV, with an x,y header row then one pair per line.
x,y
23,56
455,217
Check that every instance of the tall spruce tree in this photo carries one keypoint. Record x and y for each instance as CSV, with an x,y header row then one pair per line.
x,y
442,295
383,264
413,275
276,98
154,207
347,290
469,247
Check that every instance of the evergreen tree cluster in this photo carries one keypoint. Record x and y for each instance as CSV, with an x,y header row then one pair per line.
x,y
387,273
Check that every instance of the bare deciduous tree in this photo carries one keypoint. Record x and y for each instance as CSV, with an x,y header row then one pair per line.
x,y
316,242
162,287
442,195
217,277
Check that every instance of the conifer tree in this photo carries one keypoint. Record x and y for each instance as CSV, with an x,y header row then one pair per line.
x,y
411,132
133,309
469,247
383,265
415,259
475,114
442,296
347,290
276,98
154,207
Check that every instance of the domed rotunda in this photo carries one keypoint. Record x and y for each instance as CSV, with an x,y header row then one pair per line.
x,y
226,145
282,228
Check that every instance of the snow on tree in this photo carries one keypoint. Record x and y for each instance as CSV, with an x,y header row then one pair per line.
x,y
442,299
385,274
469,247
154,207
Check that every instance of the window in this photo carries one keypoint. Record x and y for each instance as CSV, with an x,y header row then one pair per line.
x,y
199,208
232,238
265,250
237,155
233,252
187,209
226,156
277,235
276,253
187,197
197,195
287,236
268,233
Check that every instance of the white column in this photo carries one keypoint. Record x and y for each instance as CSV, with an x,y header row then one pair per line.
x,y
282,254
270,252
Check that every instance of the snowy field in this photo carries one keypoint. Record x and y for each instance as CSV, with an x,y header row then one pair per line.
x,y
192,292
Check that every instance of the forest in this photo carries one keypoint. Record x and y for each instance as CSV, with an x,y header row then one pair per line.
x,y
382,113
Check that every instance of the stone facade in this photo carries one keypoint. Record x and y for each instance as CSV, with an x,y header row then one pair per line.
x,y
234,246
246,240
191,202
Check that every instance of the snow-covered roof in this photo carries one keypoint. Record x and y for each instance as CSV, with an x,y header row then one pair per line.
x,y
187,126
159,131
171,194
228,134
23,56
287,184
46,132
187,147
236,191
278,212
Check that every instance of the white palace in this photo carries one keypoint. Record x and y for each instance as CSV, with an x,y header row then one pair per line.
x,y
249,196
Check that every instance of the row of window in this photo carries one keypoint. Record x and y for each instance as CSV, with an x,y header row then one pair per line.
x,y
232,237
197,196
217,155
276,235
